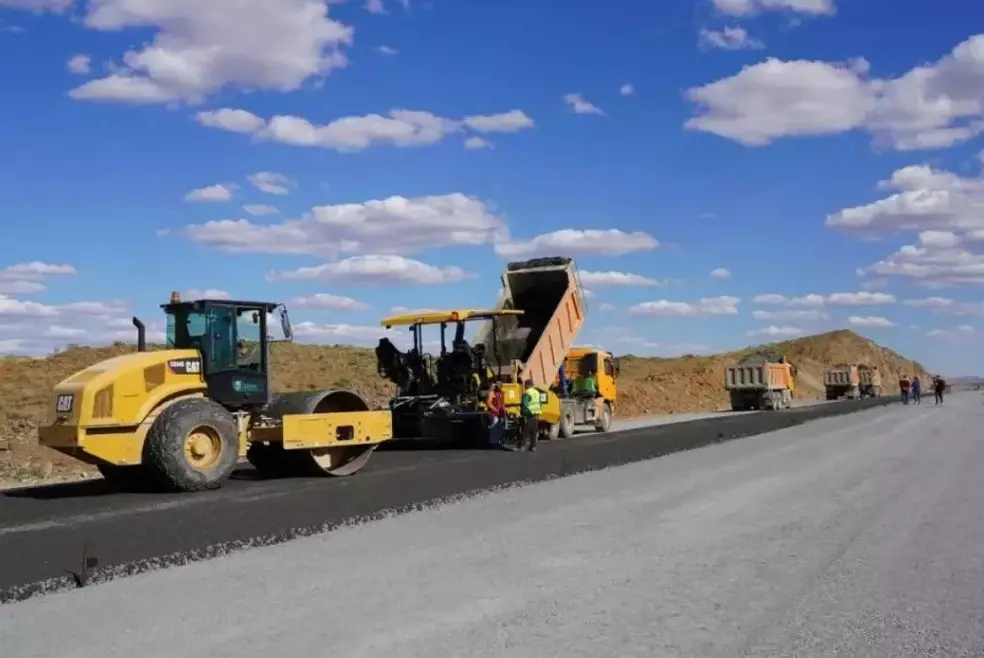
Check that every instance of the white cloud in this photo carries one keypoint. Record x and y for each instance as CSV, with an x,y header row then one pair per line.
x,y
375,7
801,315
79,64
376,270
947,306
752,7
961,332
10,307
720,273
36,269
387,50
813,300
202,47
475,143
870,321
610,242
707,306
207,293
933,201
581,106
626,90
400,127
935,303
325,301
728,38
933,268
260,209
506,122
237,121
396,225
605,307
930,106
271,182
773,331
211,194
345,334
874,284
607,279
20,287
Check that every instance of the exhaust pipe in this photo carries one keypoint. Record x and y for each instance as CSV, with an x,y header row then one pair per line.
x,y
141,334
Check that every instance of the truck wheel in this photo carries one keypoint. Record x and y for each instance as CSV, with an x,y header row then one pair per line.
x,y
553,431
193,445
605,422
566,426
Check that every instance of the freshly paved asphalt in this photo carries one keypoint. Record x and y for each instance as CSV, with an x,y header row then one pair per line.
x,y
45,532
859,535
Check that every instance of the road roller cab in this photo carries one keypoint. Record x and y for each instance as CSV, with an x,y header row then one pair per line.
x,y
184,416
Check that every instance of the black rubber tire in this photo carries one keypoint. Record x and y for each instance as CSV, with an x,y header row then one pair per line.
x,y
605,423
126,478
164,448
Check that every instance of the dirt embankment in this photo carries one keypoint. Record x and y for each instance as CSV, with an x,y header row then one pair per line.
x,y
646,386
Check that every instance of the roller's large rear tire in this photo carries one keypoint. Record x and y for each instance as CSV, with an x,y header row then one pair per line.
x,y
193,445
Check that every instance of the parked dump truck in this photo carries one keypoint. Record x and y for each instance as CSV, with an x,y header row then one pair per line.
x,y
842,380
183,416
761,380
869,381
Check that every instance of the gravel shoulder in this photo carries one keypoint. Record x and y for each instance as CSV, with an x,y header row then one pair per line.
x,y
852,535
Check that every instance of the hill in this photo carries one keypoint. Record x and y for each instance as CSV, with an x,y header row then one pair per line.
x,y
646,385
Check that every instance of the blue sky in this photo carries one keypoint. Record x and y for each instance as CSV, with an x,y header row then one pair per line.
x,y
821,157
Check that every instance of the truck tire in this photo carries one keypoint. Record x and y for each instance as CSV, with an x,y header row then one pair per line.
x,y
553,431
193,445
605,421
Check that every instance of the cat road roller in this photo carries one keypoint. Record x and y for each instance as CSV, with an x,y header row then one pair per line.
x,y
182,417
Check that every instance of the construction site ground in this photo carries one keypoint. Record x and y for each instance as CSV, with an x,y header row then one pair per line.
x,y
651,390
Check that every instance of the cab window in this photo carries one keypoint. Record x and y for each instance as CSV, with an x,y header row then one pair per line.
x,y
248,332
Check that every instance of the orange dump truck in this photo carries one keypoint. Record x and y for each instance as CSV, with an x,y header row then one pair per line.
x,y
842,380
762,380
870,381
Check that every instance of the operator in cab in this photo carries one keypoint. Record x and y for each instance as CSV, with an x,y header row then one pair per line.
x,y
531,416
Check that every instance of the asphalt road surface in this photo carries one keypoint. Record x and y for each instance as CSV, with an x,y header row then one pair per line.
x,y
857,535
46,533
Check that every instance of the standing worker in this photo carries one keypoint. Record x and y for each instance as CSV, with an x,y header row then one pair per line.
x,y
916,390
904,389
531,416
495,404
939,385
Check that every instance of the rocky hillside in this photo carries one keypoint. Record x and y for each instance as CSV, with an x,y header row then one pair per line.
x,y
646,386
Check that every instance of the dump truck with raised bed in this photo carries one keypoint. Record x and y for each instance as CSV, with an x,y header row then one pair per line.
x,y
761,380
527,336
183,416
539,345
842,380
869,381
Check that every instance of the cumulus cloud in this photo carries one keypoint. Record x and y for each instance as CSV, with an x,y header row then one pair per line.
x,y
955,334
78,64
28,278
387,50
792,315
869,321
210,194
325,301
271,182
774,331
260,209
610,242
400,128
610,278
752,7
396,225
199,48
626,90
813,300
375,270
720,273
475,143
707,306
579,105
728,38
930,106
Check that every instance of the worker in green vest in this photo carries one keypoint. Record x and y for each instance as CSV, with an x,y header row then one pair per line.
x,y
531,416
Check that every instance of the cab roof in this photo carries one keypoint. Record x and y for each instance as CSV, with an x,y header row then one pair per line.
x,y
438,317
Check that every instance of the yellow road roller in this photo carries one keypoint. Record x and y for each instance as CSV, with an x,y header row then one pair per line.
x,y
182,417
